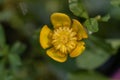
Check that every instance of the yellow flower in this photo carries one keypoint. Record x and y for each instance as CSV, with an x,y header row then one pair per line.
x,y
64,39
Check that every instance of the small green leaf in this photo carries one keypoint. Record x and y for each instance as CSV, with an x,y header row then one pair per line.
x,y
115,43
91,24
96,54
5,15
1,1
2,70
105,18
18,48
15,63
77,8
115,3
84,75
1,53
14,60
4,51
2,37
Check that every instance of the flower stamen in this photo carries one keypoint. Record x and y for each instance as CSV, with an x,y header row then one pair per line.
x,y
64,39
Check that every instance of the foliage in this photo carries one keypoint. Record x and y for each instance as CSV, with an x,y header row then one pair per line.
x,y
86,75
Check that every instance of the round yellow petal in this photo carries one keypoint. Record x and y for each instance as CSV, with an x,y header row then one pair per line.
x,y
56,55
78,50
81,32
60,20
44,37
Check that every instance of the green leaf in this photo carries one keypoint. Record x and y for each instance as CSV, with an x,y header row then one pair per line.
x,y
115,3
4,51
1,1
2,70
96,54
91,24
104,45
105,18
14,60
1,53
5,15
66,66
2,37
18,48
77,7
84,75
115,43
15,64
91,60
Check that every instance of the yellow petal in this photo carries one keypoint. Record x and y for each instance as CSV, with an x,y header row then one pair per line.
x,y
60,19
78,50
44,39
56,55
77,26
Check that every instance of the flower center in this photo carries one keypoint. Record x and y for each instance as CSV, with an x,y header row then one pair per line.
x,y
64,39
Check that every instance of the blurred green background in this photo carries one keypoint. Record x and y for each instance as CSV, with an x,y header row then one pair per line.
x,y
22,57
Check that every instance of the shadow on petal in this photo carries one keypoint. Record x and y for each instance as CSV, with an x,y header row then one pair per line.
x,y
81,32
78,50
56,55
60,19
44,39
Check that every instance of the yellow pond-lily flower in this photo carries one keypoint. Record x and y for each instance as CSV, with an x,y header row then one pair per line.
x,y
65,39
